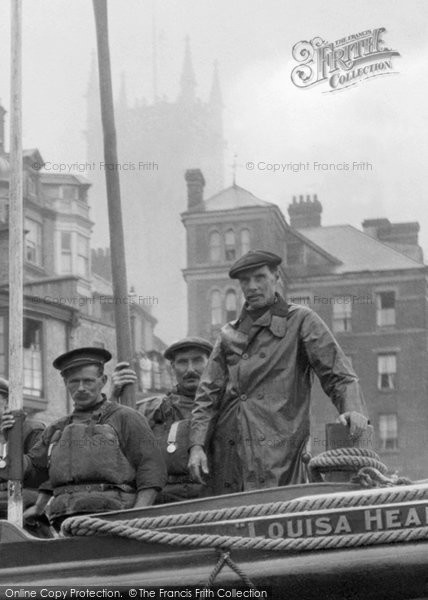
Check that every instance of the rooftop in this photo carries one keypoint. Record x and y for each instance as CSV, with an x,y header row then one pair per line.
x,y
356,250
233,197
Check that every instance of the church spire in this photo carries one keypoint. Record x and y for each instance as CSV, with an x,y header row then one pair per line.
x,y
216,99
188,80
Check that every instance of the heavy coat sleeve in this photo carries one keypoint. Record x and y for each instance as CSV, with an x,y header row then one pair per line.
x,y
331,366
208,395
36,460
141,449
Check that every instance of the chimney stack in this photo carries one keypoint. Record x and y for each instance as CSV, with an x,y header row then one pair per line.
x,y
195,189
305,213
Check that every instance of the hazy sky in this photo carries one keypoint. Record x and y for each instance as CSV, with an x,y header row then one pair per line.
x,y
383,121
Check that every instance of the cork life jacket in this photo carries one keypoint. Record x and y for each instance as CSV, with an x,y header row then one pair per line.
x,y
88,452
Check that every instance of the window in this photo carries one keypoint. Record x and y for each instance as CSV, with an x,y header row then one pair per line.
x,y
231,306
69,192
245,241
216,312
2,347
385,304
215,246
387,369
32,358
230,244
342,311
65,252
388,432
82,255
33,242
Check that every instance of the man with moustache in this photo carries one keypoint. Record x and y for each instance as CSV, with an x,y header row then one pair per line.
x,y
169,415
254,395
103,456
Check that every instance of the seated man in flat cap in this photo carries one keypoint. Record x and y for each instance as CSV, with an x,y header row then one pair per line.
x,y
169,416
256,387
101,457
32,430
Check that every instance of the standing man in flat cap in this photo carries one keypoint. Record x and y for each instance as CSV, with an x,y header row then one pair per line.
x,y
103,456
169,415
256,387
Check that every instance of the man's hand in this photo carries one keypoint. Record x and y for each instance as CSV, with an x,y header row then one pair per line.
x,y
356,421
145,497
122,375
34,512
197,464
7,421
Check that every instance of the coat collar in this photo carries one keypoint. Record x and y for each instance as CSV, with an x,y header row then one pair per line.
x,y
275,317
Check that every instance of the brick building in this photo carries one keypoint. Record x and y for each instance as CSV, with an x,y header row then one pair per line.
x,y
66,304
369,286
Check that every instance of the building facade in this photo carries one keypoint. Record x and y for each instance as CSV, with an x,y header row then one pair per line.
x,y
66,304
368,285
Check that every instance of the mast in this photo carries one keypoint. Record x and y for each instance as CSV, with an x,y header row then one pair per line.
x,y
16,242
117,244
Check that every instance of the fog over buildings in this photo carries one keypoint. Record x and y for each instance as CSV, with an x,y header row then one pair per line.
x,y
265,118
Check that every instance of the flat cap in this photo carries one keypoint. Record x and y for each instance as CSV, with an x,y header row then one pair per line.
x,y
4,386
80,357
252,260
185,344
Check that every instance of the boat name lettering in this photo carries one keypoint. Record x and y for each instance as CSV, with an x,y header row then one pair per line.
x,y
341,522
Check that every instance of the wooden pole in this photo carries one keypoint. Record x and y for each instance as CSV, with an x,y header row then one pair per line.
x,y
117,244
16,240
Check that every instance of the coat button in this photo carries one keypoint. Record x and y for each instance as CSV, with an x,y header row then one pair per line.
x,y
227,484
245,356
262,354
262,438
260,395
261,480
244,397
231,442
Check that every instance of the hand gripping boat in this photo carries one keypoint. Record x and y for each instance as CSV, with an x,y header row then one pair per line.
x,y
332,540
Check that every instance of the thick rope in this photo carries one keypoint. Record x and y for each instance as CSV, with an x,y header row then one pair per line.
x,y
226,560
91,526
369,477
307,503
347,459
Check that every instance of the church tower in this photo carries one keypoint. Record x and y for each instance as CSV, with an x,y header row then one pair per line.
x,y
158,142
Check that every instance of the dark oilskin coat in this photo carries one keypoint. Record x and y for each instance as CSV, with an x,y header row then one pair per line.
x,y
252,405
